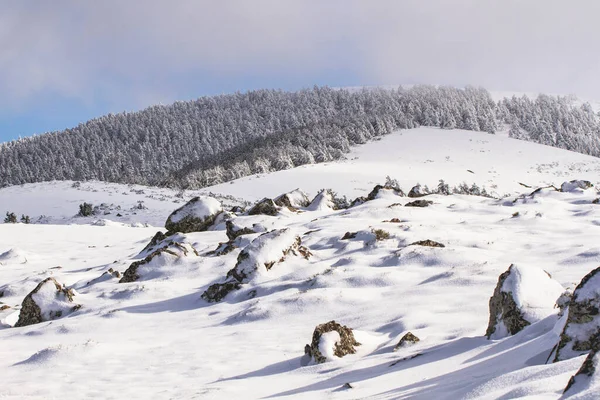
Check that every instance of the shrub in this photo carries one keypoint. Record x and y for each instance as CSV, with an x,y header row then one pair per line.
x,y
11,218
380,234
86,210
25,219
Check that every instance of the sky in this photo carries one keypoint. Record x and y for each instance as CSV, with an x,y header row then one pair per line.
x,y
64,62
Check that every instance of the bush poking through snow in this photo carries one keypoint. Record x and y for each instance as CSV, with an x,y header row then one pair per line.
x,y
48,301
407,340
11,218
522,296
86,210
265,207
331,340
581,333
197,215
380,234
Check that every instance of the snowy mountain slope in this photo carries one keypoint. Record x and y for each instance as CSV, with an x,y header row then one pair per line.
x,y
157,338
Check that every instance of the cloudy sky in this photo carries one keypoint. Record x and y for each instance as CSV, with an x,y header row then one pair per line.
x,y
63,62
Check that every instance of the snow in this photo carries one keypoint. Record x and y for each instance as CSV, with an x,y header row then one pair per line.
x,y
51,302
534,292
157,338
201,208
327,344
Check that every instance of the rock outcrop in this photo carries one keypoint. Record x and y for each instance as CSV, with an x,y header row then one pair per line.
x,y
197,215
293,200
427,243
407,340
265,207
417,191
258,257
233,230
523,296
575,185
167,254
582,379
48,301
377,190
581,333
331,340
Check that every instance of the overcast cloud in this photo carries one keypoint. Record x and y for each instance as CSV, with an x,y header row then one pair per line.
x,y
110,55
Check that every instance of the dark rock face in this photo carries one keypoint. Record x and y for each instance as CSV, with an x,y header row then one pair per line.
x,y
233,230
427,243
156,239
581,333
574,185
503,309
587,370
419,203
346,345
197,215
257,254
172,248
265,207
31,312
349,235
407,340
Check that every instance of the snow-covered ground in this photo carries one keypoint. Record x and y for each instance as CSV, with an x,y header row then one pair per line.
x,y
157,338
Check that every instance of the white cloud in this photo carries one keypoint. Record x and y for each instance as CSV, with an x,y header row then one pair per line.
x,y
127,50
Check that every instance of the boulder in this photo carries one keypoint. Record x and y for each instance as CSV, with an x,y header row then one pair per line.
x,y
419,203
375,193
156,239
575,186
581,333
265,207
293,200
331,340
417,191
167,254
257,258
48,301
327,199
197,215
523,296
407,340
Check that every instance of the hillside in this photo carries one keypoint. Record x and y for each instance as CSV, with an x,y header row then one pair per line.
x,y
227,313
218,139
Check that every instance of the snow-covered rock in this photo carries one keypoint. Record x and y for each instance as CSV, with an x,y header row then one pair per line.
x,y
581,333
168,254
13,256
234,230
197,215
324,200
380,190
257,258
293,200
417,191
330,341
523,296
48,301
419,203
576,185
408,339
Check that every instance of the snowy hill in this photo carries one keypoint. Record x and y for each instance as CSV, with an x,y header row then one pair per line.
x,y
381,268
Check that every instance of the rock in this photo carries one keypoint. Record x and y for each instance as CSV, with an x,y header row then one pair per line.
x,y
156,239
377,189
4,307
327,199
237,210
217,292
581,333
522,297
417,191
197,215
233,230
48,301
596,201
293,200
427,243
575,186
358,201
331,340
407,340
265,206
167,254
349,235
419,203
581,380
257,258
